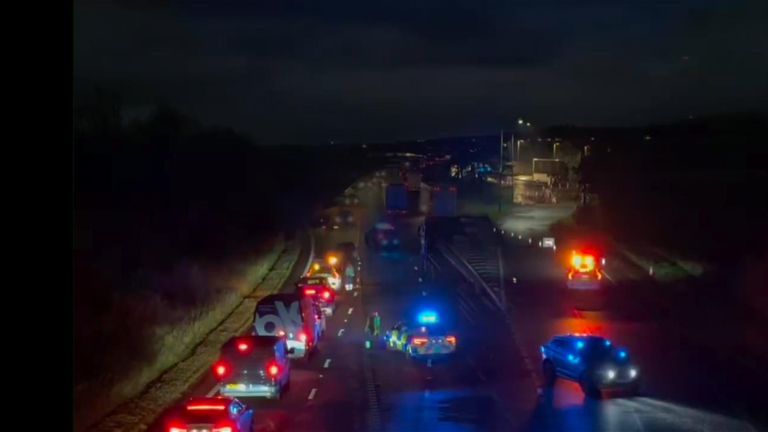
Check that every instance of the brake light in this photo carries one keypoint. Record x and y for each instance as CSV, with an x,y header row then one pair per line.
x,y
226,426
326,295
243,346
177,428
220,369
303,337
206,407
582,263
451,340
273,369
310,291
418,341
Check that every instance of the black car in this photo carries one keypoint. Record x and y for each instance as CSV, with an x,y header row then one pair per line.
x,y
591,361
383,236
254,366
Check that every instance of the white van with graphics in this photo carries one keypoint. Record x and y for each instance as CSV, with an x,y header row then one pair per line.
x,y
291,315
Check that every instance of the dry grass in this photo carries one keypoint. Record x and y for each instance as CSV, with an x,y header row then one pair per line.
x,y
150,334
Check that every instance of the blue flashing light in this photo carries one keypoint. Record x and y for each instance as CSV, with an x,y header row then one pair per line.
x,y
622,354
579,344
607,343
572,358
427,317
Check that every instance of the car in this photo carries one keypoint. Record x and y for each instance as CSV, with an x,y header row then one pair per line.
x,y
320,291
548,242
343,218
383,236
320,268
426,338
254,366
213,414
591,361
584,273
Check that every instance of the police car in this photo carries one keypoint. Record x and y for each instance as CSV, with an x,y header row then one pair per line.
x,y
424,339
591,361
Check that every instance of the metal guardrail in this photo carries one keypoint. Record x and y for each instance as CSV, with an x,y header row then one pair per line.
x,y
466,269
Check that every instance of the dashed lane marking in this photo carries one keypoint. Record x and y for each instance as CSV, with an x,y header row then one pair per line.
x,y
327,363
341,332
312,394
350,311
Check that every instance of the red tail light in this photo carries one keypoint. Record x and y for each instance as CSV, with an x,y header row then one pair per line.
x,y
206,407
310,291
226,426
220,369
303,337
451,340
177,427
326,295
273,369
418,341
243,347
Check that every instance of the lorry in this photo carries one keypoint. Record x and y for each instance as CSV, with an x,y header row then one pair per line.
x,y
291,316
443,201
396,198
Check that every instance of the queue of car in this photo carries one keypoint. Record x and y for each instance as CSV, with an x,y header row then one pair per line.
x,y
289,327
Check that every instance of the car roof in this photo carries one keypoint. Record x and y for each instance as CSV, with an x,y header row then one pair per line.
x,y
313,280
575,337
205,400
257,341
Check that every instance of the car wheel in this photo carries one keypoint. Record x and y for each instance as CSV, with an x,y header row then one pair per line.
x,y
588,387
548,369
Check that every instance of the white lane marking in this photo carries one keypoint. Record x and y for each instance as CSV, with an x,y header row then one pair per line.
x,y
350,311
608,277
340,332
354,294
214,390
327,363
311,252
345,320
312,394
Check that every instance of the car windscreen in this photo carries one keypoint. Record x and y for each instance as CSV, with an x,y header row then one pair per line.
x,y
256,355
597,350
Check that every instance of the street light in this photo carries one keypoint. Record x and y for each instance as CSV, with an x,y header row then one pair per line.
x,y
520,121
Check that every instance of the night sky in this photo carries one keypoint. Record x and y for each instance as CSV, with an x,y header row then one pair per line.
x,y
315,71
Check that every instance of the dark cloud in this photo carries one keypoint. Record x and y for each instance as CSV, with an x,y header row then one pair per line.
x,y
290,71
